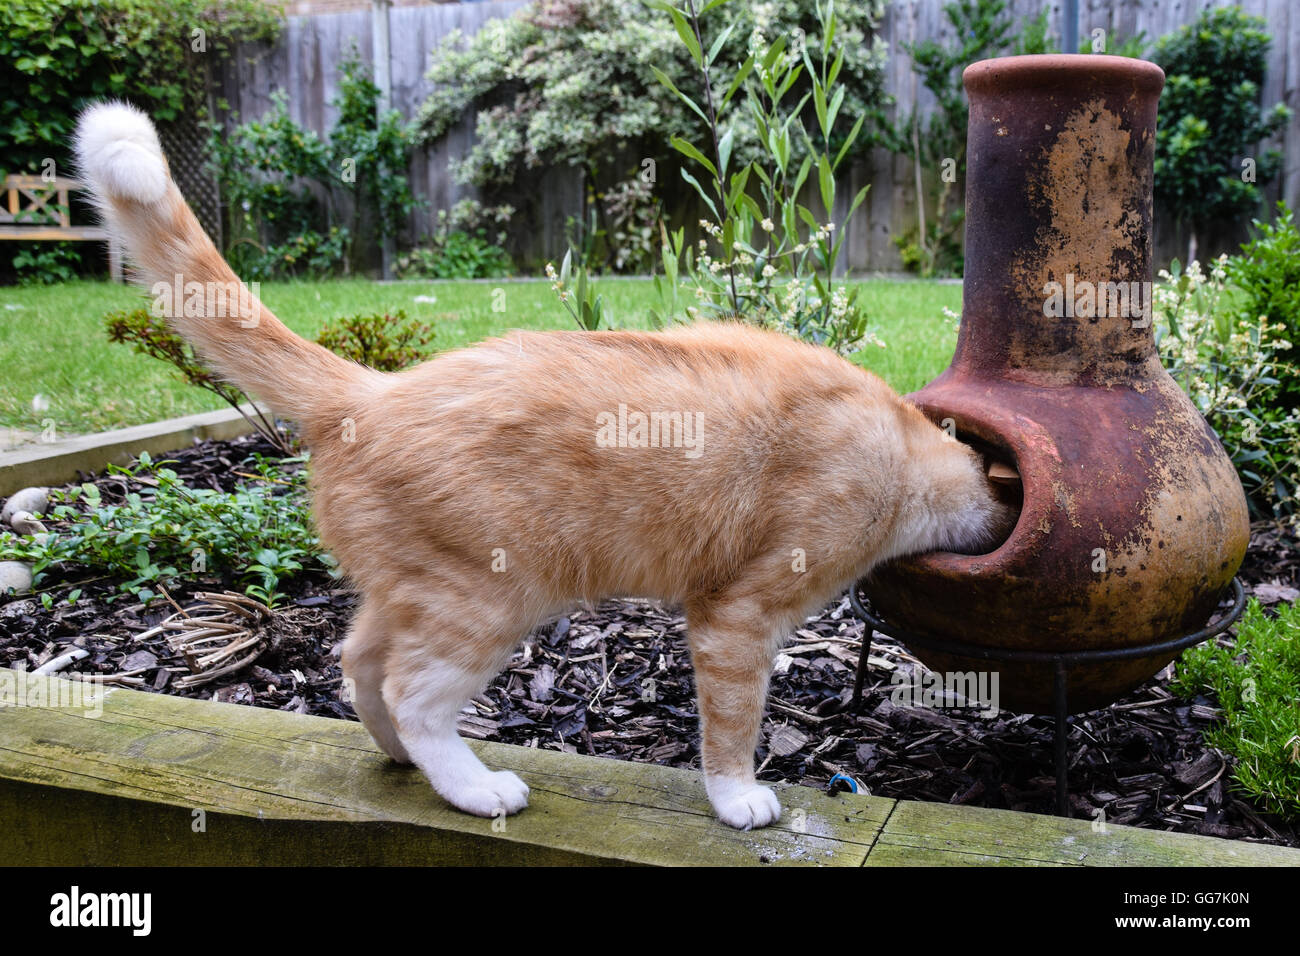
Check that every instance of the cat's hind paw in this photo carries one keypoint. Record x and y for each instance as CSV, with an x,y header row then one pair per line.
x,y
745,806
489,795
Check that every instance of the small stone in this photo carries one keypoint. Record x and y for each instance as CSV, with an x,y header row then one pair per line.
x,y
539,688
24,522
29,499
140,660
15,575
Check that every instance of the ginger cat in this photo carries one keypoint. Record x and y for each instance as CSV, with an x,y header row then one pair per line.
x,y
742,474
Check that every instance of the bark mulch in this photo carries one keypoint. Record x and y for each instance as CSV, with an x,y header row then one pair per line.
x,y
615,681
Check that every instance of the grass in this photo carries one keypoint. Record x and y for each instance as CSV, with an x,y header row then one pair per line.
x,y
52,341
1256,681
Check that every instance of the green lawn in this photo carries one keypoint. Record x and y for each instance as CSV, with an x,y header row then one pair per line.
x,y
52,340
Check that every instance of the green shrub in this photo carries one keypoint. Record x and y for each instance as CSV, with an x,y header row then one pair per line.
x,y
1256,680
1267,277
258,535
274,172
305,255
385,342
1211,120
458,255
58,55
46,263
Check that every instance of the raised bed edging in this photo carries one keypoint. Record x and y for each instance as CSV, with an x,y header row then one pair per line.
x,y
57,463
134,778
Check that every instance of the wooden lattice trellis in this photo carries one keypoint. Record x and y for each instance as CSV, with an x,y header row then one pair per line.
x,y
185,143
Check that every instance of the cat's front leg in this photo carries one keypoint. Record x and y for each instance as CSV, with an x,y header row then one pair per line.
x,y
731,653
740,803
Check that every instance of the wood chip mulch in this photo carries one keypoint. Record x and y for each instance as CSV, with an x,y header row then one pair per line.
x,y
615,681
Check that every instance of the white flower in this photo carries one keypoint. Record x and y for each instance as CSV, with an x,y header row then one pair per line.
x,y
768,225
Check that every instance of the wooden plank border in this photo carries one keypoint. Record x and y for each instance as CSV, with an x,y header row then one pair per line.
x,y
56,463
95,775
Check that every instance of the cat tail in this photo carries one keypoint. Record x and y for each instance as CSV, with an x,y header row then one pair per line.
x,y
119,158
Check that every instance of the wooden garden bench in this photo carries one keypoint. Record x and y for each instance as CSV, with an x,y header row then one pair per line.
x,y
28,214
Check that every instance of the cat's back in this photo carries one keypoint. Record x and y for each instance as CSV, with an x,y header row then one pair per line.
x,y
724,364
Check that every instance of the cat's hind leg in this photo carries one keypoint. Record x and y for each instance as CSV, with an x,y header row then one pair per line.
x,y
363,677
434,668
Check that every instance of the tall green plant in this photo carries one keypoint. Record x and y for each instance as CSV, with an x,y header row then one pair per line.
x,y
1208,166
768,258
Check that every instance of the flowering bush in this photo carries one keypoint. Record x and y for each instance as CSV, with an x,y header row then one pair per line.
x,y
1230,364
1267,278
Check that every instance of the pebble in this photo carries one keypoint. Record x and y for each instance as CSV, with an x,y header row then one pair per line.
x,y
29,499
16,575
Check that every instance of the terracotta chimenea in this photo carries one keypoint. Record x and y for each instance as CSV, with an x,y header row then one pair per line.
x,y
1133,520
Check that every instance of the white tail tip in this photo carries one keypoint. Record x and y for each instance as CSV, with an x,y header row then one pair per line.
x,y
118,153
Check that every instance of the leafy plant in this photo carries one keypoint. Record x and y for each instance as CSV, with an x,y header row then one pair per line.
x,y
1211,120
1255,680
259,535
58,55
46,266
1230,365
770,260
302,205
149,334
458,255
305,255
461,246
1266,275
582,302
632,215
385,342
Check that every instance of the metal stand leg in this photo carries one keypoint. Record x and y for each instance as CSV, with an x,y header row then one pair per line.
x,y
862,666
1058,700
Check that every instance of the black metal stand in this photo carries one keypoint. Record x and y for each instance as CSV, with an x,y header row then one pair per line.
x,y
1061,662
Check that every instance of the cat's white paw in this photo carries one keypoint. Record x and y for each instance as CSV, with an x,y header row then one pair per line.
x,y
745,806
489,794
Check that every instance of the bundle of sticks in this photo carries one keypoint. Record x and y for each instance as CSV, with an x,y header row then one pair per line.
x,y
218,637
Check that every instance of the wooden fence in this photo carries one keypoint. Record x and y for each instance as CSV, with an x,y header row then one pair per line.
x,y
305,63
